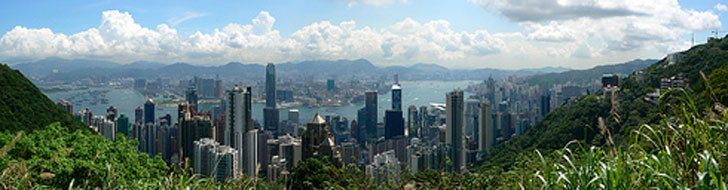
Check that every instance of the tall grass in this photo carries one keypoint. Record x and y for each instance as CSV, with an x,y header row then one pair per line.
x,y
17,176
686,150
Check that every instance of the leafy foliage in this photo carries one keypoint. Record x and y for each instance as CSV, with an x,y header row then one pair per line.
x,y
558,128
684,151
24,107
78,156
580,121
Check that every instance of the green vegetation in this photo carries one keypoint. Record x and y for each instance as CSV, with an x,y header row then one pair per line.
x,y
24,107
684,151
588,75
56,157
609,126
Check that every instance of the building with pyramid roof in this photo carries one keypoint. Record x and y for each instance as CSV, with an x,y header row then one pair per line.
x,y
318,142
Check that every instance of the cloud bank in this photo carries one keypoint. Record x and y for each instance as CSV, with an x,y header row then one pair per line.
x,y
609,25
555,33
119,37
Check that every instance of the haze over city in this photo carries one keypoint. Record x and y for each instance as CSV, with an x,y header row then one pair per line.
x,y
456,34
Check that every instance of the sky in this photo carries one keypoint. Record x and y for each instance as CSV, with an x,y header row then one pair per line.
x,y
504,34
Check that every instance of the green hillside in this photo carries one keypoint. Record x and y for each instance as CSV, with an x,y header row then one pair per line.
x,y
24,107
588,75
580,120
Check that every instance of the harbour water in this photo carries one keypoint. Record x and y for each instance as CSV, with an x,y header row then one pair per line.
x,y
417,93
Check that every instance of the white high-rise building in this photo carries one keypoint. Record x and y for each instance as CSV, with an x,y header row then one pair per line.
x,y
214,160
250,153
240,133
384,166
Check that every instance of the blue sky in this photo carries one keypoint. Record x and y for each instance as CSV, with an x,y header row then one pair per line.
x,y
457,34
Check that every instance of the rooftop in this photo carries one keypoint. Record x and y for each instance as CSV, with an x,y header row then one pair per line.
x,y
317,119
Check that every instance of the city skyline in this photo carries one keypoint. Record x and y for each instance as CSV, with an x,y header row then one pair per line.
x,y
364,94
485,34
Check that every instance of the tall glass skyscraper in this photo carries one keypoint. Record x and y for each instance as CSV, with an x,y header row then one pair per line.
x,y
149,111
396,97
270,85
370,109
454,133
270,112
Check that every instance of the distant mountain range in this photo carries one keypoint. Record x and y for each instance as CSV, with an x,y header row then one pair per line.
x,y
70,70
589,75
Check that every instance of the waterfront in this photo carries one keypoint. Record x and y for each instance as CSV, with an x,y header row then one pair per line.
x,y
417,93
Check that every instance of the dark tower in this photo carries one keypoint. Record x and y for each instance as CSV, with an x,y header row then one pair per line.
x,y
270,112
149,111
191,96
370,109
393,124
397,97
545,104
270,85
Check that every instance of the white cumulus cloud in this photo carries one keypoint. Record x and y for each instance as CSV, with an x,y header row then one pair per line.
x,y
720,7
560,33
119,38
608,26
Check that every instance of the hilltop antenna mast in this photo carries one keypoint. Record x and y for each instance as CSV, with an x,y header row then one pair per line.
x,y
716,32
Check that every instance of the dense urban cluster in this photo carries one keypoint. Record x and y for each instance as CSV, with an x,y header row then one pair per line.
x,y
223,140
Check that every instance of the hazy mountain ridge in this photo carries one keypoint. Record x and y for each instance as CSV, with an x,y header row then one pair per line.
x,y
589,75
62,69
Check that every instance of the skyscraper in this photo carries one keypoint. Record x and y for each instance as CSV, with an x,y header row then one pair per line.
x,y
293,115
271,116
370,109
240,133
205,87
506,122
218,89
331,85
149,111
397,97
139,115
192,126
270,112
424,124
361,116
413,121
123,125
270,85
234,114
354,128
545,104
454,131
486,132
111,113
490,85
472,107
214,160
66,105
191,96
393,124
